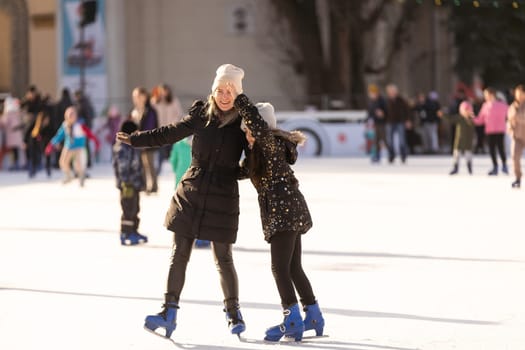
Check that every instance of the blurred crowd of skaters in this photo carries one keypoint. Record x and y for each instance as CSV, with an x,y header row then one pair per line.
x,y
471,123
396,127
30,129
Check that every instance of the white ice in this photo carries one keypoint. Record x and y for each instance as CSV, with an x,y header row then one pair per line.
x,y
401,257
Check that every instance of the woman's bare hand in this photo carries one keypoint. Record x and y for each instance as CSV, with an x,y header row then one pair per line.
x,y
123,137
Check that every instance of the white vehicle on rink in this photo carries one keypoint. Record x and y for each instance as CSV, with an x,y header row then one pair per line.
x,y
329,133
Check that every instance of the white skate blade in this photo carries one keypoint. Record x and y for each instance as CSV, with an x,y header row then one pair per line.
x,y
159,335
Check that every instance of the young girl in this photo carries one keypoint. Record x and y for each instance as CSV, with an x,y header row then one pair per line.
x,y
284,214
75,136
464,135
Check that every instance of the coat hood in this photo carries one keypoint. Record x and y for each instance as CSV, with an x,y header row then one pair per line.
x,y
291,140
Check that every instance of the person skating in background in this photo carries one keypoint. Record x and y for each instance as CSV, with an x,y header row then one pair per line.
x,y
12,123
284,214
377,115
37,137
86,115
206,202
111,126
75,135
145,116
516,128
169,111
493,115
180,159
427,108
397,122
463,135
370,144
130,181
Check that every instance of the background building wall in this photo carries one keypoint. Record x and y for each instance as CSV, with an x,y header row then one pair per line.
x,y
182,42
5,51
43,45
425,61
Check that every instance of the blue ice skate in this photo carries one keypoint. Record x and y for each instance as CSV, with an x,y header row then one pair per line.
x,y
166,319
128,239
202,243
235,321
140,238
292,326
133,238
314,319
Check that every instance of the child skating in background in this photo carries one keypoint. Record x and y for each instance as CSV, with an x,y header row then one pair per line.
x,y
180,159
284,214
370,144
130,181
464,135
75,136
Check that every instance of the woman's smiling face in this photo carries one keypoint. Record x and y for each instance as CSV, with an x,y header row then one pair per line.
x,y
224,96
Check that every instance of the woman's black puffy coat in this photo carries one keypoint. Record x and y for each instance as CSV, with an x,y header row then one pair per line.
x,y
206,202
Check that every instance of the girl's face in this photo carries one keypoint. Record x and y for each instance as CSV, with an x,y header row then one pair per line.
x,y
249,137
464,111
71,117
224,97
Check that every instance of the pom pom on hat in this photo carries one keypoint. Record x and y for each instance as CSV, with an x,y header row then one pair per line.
x,y
228,73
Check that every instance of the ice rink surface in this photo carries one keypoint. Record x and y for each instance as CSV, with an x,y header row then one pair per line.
x,y
401,257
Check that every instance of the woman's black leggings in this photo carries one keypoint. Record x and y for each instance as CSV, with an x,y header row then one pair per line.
x,y
181,252
288,271
496,141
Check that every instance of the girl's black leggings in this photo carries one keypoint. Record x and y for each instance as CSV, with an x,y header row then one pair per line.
x,y
288,271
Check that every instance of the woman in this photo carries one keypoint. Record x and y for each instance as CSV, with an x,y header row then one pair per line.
x,y
516,127
12,122
206,201
284,214
169,111
146,118
493,115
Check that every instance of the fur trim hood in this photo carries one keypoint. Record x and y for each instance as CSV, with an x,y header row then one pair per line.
x,y
291,140
293,136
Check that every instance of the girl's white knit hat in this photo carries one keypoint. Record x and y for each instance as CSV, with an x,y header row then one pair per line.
x,y
267,112
228,73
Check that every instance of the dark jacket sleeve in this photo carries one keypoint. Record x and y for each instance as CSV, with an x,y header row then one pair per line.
x,y
256,124
167,135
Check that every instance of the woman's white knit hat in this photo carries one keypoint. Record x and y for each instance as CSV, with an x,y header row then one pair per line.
x,y
267,112
228,73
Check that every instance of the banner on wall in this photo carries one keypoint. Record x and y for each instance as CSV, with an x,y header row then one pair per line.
x,y
91,44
